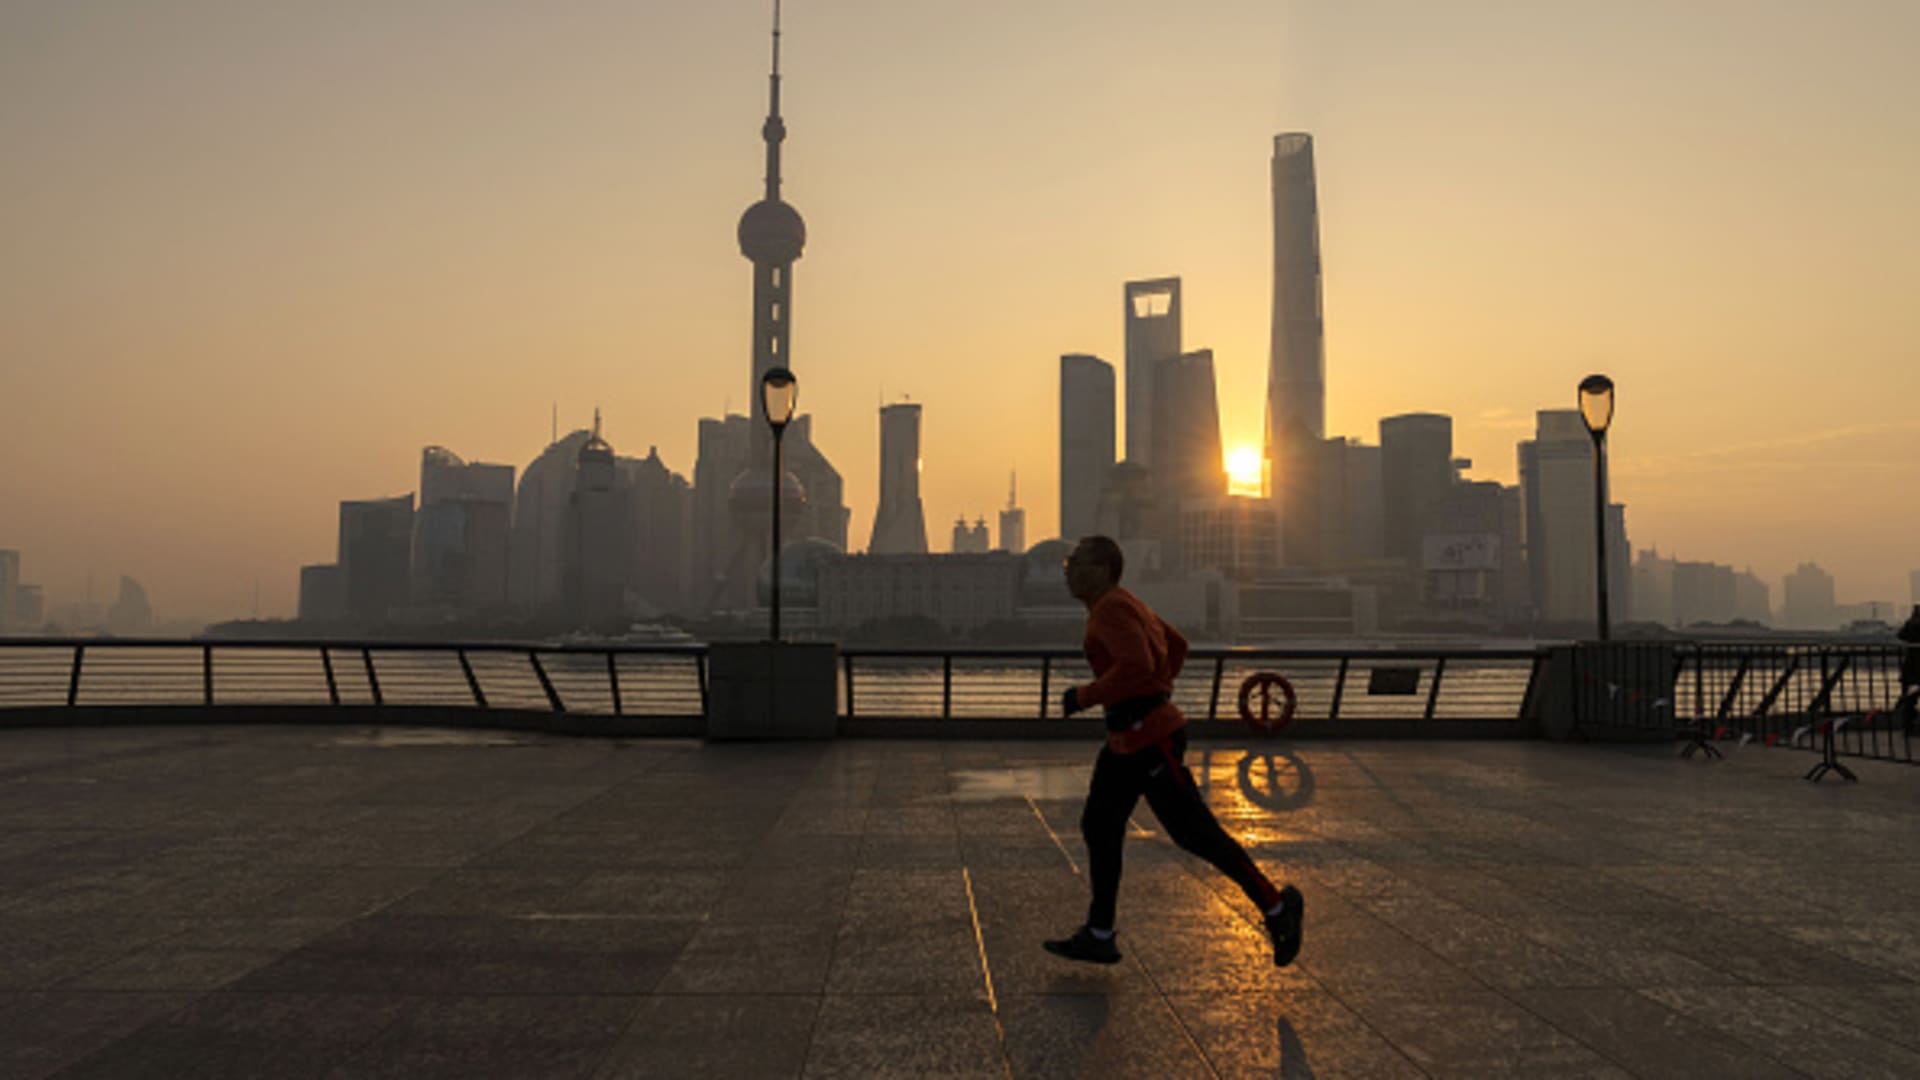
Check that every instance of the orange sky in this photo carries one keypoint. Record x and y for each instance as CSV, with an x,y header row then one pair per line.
x,y
257,256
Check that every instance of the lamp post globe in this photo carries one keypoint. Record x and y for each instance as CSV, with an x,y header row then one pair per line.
x,y
779,393
1596,411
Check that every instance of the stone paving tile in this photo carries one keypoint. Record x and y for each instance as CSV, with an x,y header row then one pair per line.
x,y
1288,1033
350,902
1814,1043
675,1037
906,1036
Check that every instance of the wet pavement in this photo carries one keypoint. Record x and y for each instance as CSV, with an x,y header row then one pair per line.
x,y
342,902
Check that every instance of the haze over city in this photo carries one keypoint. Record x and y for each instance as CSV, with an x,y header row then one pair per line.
x,y
259,258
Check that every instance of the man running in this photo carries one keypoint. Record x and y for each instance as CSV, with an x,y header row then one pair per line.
x,y
1135,656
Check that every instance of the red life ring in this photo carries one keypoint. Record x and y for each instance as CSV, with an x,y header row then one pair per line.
x,y
1264,683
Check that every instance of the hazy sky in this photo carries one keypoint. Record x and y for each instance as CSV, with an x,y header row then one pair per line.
x,y
258,254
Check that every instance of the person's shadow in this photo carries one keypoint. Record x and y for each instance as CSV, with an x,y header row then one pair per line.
x,y
1293,1053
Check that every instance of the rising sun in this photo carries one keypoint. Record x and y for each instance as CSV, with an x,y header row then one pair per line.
x,y
1243,470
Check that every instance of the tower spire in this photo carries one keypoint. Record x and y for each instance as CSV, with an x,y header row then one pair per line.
x,y
775,129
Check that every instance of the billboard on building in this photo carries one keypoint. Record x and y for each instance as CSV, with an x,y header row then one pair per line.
x,y
1460,551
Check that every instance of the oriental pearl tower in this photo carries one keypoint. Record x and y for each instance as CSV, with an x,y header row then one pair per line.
x,y
771,237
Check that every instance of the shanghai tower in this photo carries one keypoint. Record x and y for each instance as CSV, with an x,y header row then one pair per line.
x,y
1296,368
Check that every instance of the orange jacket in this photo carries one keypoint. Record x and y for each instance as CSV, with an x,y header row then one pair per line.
x,y
1134,653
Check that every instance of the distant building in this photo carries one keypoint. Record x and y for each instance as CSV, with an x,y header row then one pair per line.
x,y
323,593
1556,486
1704,593
1086,440
732,500
1304,606
596,570
659,506
957,591
9,588
1416,475
1752,599
132,612
1237,536
462,532
1013,521
971,539
1352,503
539,545
1653,588
1186,456
29,608
1465,563
1152,321
899,524
1808,599
1296,363
376,555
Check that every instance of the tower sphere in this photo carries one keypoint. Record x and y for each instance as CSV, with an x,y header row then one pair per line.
x,y
772,232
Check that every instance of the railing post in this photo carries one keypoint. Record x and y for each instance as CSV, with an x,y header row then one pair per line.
x,y
473,684
700,669
326,664
1733,687
1433,691
73,680
1339,688
946,687
846,665
373,679
206,675
1213,699
613,684
553,696
1046,683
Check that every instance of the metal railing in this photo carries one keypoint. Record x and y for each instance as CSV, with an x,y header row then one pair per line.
x,y
1838,699
1384,690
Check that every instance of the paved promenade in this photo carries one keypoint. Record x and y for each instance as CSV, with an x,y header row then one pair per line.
x,y
214,902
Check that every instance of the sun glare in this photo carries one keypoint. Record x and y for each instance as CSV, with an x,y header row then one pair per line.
x,y
1243,470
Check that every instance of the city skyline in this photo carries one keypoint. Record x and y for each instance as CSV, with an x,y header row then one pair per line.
x,y
1680,467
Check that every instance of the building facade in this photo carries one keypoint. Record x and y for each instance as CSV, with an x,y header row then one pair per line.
x,y
1086,440
1152,329
959,592
376,555
1296,364
899,522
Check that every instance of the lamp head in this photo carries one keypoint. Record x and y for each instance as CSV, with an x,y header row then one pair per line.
x,y
1596,403
779,392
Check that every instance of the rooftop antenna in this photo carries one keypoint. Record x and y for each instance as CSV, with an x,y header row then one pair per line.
x,y
1013,489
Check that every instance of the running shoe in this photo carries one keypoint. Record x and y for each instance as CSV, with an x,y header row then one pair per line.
x,y
1084,946
1284,926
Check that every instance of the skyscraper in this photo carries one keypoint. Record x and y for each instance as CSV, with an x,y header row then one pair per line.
x,y
1152,335
1086,440
1296,367
376,548
1416,474
1556,489
1013,520
539,542
1187,463
899,525
1808,603
461,532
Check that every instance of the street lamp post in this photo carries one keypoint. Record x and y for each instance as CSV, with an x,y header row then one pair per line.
x,y
779,391
1596,409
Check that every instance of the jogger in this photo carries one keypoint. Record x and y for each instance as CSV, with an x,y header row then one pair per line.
x,y
1135,656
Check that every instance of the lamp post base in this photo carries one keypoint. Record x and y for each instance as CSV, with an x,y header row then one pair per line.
x,y
768,690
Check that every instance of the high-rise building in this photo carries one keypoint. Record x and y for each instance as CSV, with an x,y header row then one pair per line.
x,y
596,568
899,525
323,593
1416,474
376,555
971,539
1086,440
461,532
1352,506
660,515
1556,485
1236,535
1013,520
131,613
1808,599
1187,462
539,544
1152,335
1296,366
9,587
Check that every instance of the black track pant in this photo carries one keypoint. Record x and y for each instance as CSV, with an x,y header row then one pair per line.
x,y
1156,772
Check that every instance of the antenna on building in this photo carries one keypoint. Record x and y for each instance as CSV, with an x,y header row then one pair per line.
x,y
1013,489
596,422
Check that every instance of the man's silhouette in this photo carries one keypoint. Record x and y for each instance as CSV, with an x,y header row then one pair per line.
x,y
1135,656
